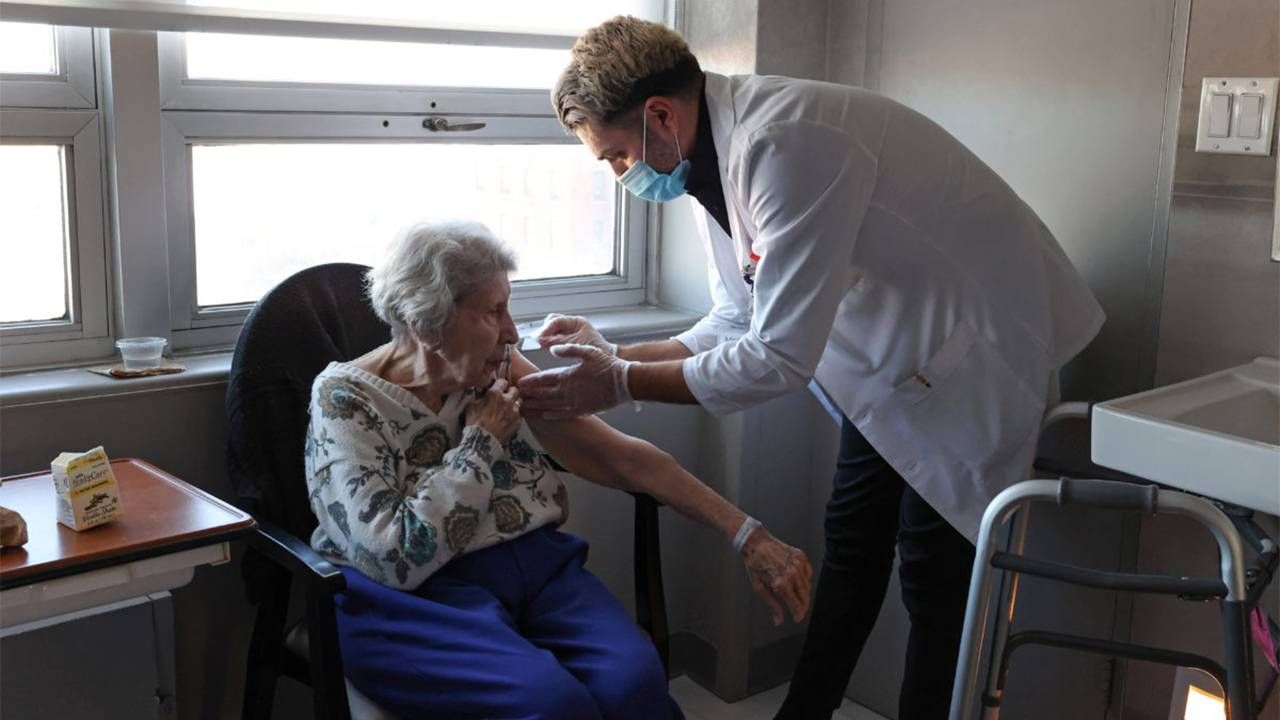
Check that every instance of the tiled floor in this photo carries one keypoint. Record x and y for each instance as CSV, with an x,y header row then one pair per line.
x,y
699,703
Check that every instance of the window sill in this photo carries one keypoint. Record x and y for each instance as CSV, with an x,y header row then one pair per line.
x,y
75,384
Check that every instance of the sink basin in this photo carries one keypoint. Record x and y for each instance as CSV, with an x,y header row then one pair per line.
x,y
1216,435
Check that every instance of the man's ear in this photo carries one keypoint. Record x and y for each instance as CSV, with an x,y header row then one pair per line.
x,y
662,112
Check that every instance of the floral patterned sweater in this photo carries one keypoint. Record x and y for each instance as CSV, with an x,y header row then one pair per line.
x,y
400,490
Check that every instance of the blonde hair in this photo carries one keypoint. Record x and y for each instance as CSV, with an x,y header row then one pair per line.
x,y
619,64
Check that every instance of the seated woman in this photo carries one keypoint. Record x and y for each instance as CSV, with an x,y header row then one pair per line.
x,y
463,599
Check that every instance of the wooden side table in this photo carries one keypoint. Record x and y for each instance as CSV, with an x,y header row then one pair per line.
x,y
167,529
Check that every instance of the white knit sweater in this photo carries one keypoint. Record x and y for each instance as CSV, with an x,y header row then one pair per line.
x,y
400,490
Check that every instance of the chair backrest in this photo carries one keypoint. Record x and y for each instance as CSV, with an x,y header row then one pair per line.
x,y
316,316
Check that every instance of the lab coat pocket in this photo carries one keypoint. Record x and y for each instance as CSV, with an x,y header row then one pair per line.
x,y
967,405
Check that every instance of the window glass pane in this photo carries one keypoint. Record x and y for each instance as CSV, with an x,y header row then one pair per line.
x,y
310,60
33,259
568,17
27,49
264,211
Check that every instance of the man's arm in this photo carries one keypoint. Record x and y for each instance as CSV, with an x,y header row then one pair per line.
x,y
655,351
660,382
657,372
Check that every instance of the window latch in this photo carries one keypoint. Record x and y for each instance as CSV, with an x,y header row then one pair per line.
x,y
439,124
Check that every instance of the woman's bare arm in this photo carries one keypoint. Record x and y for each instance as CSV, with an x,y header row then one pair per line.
x,y
590,449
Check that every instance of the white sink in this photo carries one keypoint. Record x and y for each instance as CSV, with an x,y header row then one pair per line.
x,y
1217,435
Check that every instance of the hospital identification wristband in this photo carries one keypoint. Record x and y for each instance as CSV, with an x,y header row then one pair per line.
x,y
748,526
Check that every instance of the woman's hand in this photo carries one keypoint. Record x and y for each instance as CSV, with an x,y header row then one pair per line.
x,y
498,411
779,573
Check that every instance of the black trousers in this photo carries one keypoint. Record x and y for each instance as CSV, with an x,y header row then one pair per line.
x,y
871,510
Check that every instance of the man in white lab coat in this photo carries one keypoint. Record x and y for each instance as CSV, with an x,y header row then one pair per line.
x,y
857,243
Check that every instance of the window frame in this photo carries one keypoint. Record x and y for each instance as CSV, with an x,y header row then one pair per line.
x,y
212,111
25,120
73,86
178,92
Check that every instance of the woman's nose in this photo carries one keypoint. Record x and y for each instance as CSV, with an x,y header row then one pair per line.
x,y
509,334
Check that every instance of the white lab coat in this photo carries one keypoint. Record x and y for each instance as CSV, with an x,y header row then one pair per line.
x,y
897,269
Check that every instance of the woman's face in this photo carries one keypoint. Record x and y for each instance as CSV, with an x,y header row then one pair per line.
x,y
473,343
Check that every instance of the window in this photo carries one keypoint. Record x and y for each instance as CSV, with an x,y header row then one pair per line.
x,y
53,269
236,160
28,49
33,238
354,62
46,66
292,206
289,152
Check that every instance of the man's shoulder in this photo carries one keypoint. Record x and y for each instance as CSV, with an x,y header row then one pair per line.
x,y
784,104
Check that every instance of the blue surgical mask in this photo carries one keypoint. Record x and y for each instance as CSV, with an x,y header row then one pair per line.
x,y
648,184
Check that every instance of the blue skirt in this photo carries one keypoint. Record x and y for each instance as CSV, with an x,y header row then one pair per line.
x,y
517,630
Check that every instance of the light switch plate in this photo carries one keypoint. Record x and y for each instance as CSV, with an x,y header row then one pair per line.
x,y
1224,101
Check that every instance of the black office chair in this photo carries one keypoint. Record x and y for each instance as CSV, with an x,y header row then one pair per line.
x,y
314,317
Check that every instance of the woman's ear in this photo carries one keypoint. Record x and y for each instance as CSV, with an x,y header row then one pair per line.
x,y
427,342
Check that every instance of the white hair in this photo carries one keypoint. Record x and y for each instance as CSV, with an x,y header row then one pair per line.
x,y
428,269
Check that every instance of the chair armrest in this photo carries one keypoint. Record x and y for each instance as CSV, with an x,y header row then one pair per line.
x,y
297,558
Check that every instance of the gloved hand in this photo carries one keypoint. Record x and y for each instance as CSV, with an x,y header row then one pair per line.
x,y
598,382
560,329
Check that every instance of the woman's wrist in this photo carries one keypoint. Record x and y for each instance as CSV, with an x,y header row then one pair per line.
x,y
482,441
749,527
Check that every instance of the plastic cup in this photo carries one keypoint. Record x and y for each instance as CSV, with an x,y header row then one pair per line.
x,y
141,353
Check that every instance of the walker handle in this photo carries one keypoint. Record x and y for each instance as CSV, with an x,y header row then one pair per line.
x,y
1109,494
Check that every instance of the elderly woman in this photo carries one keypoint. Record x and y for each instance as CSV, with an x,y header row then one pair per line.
x,y
463,599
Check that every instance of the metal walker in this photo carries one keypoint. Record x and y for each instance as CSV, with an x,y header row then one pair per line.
x,y
1237,589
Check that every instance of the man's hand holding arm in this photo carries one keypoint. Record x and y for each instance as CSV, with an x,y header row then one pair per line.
x,y
605,375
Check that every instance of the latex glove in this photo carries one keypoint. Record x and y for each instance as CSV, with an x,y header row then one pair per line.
x,y
560,329
779,573
597,382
